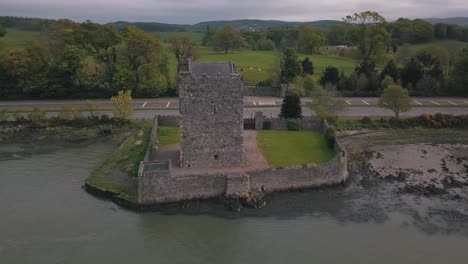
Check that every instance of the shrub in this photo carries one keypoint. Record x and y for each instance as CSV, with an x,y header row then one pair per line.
x,y
366,120
293,125
3,115
66,113
37,117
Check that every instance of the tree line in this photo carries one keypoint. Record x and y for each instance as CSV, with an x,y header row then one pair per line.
x,y
308,39
87,60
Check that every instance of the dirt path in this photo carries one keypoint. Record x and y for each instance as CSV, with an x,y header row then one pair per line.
x,y
253,155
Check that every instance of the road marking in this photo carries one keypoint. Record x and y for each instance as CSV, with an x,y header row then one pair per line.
x,y
435,103
348,102
416,102
254,103
365,102
168,104
452,103
144,104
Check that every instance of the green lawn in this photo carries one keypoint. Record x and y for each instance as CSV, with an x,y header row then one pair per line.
x,y
19,38
288,148
168,135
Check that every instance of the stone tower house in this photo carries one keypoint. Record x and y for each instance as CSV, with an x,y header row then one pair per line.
x,y
211,108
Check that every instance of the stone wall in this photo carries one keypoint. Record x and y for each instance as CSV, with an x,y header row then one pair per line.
x,y
262,91
169,120
306,123
162,186
265,91
211,109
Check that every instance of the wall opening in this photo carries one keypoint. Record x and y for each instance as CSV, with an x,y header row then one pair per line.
x,y
216,157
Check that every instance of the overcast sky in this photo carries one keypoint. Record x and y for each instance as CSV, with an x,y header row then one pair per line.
x,y
193,11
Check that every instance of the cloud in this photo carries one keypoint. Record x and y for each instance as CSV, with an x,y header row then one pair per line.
x,y
192,11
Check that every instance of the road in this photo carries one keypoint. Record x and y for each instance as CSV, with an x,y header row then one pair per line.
x,y
147,108
173,103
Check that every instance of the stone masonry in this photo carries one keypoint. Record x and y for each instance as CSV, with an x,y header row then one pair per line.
x,y
211,108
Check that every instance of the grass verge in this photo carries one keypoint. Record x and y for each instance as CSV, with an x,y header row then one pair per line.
x,y
118,173
288,148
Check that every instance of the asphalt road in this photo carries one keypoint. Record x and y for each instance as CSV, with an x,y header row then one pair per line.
x,y
173,103
147,108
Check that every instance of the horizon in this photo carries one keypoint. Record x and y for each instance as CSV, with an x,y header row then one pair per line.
x,y
192,12
220,20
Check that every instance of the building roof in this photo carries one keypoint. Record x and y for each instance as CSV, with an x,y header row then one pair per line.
x,y
225,69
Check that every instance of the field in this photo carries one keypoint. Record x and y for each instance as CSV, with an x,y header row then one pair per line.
x,y
288,148
257,66
165,36
19,38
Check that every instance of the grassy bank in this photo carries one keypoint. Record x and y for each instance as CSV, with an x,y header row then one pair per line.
x,y
118,173
288,148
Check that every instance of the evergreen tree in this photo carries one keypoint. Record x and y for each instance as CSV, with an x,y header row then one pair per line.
x,y
307,67
290,66
291,107
411,73
459,74
331,76
390,70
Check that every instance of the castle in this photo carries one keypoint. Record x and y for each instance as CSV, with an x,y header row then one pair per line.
x,y
211,109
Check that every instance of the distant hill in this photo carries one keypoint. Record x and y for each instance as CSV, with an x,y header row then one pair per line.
x,y
260,24
462,21
152,26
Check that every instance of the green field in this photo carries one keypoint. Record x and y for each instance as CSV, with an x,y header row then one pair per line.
x,y
19,38
257,66
288,148
165,36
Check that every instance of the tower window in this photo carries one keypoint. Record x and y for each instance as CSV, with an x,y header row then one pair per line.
x,y
216,157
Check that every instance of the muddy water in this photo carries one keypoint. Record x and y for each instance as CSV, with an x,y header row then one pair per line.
x,y
45,217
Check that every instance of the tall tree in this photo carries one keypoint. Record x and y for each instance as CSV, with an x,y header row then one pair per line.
x,y
101,42
183,48
227,38
290,66
307,67
291,107
369,34
310,39
140,48
330,76
459,74
395,98
391,70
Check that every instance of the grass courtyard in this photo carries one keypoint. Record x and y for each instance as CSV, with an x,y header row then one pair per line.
x,y
168,135
288,148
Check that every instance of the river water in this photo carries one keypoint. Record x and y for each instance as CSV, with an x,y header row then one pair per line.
x,y
46,217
